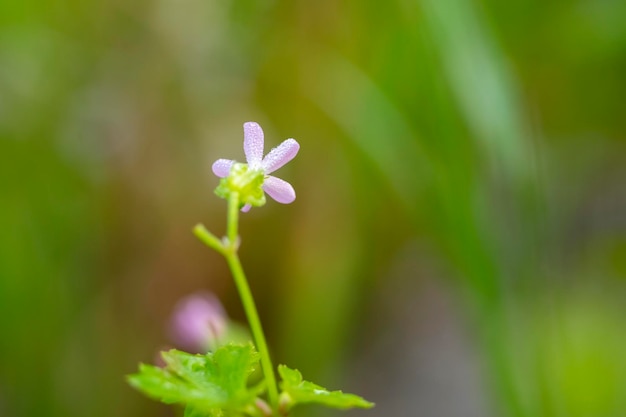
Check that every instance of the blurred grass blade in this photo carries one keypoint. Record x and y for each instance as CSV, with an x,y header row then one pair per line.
x,y
481,82
372,123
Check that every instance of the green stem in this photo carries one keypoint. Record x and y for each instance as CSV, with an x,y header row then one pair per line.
x,y
230,253
208,238
229,247
232,219
255,325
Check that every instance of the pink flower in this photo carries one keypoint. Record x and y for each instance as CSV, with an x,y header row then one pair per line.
x,y
198,322
253,144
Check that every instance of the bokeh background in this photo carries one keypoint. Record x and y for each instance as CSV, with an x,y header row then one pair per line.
x,y
458,245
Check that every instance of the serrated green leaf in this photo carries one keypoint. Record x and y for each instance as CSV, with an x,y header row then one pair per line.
x,y
190,411
295,391
205,383
194,412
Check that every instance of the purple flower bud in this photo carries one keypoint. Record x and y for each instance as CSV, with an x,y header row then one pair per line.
x,y
198,322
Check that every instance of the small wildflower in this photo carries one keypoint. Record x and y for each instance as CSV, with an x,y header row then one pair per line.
x,y
198,322
251,180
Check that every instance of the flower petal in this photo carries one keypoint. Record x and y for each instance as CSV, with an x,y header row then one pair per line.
x,y
280,155
279,190
221,167
253,143
246,208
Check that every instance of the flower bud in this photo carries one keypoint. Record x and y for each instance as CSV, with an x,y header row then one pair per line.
x,y
198,322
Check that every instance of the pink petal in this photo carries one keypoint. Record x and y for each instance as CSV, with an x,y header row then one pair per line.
x,y
221,167
246,208
253,143
279,190
280,155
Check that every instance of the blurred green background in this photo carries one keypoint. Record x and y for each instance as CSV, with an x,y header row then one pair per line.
x,y
458,245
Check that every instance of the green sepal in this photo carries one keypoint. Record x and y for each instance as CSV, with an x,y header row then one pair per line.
x,y
297,391
246,182
206,384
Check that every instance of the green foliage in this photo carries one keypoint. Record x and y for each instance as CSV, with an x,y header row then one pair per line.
x,y
297,391
216,384
207,384
191,411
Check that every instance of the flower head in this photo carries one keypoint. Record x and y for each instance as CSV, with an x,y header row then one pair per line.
x,y
251,180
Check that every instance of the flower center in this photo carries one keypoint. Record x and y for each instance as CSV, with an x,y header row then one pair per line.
x,y
246,181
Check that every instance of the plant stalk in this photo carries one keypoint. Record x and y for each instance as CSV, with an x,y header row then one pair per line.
x,y
232,258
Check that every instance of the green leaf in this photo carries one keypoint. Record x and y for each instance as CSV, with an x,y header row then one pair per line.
x,y
207,383
297,391
194,412
191,411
